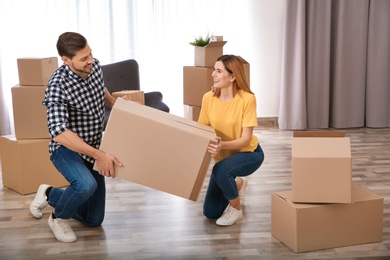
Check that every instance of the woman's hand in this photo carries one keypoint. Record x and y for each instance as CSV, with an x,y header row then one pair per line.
x,y
215,147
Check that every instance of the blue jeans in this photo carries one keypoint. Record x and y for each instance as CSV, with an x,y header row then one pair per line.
x,y
85,198
222,186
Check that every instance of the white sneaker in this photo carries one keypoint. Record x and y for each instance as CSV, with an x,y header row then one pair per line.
x,y
230,216
61,229
242,191
40,201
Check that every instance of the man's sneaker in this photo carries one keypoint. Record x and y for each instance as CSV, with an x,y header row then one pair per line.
x,y
230,216
40,201
242,191
61,229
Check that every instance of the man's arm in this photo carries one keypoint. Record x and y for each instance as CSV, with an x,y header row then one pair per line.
x,y
109,100
104,162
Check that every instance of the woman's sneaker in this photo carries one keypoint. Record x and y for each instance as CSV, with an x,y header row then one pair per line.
x,y
40,201
61,229
230,216
242,191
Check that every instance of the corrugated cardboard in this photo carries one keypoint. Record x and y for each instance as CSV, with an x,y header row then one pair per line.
x,y
26,165
30,120
158,149
336,133
309,227
207,55
192,112
246,69
196,82
133,95
36,71
321,169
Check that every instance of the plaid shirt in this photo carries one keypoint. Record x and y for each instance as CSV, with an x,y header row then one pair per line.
x,y
77,104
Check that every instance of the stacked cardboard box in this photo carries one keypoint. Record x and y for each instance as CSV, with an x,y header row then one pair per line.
x,y
24,157
324,209
197,79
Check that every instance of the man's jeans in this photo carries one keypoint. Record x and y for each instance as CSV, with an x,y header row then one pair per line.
x,y
84,200
222,186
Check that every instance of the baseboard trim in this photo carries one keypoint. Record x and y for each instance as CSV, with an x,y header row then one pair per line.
x,y
268,122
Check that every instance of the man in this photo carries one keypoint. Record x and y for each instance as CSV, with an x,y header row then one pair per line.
x,y
75,97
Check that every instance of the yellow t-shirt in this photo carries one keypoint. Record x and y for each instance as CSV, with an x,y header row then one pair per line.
x,y
229,118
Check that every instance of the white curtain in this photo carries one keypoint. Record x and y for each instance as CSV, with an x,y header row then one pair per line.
x,y
154,32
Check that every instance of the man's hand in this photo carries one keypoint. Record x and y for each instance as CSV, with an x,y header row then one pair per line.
x,y
105,164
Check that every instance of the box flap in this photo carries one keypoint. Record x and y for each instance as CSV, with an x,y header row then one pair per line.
x,y
321,147
319,134
360,193
160,116
287,197
215,44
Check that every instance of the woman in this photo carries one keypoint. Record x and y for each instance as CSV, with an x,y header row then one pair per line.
x,y
230,108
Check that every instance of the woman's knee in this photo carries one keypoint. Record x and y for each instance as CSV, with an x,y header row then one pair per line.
x,y
211,214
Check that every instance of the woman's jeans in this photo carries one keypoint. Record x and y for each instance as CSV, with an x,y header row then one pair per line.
x,y
84,199
222,186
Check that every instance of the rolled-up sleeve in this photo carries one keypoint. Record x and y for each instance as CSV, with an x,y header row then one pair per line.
x,y
57,110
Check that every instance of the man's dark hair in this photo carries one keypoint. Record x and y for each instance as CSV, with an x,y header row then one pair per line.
x,y
69,43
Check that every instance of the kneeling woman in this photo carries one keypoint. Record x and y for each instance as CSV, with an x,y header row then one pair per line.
x,y
230,108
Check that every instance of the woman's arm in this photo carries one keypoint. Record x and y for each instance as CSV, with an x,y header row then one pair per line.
x,y
237,144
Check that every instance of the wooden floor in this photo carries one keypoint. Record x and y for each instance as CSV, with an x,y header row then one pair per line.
x,y
142,223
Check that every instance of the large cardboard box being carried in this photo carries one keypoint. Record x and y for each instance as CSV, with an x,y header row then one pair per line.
x,y
133,95
321,167
207,55
36,71
26,165
158,150
309,227
30,120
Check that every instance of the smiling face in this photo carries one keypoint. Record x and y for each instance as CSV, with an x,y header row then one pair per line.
x,y
222,78
81,63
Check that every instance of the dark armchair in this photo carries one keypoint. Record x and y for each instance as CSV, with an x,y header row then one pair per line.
x,y
124,75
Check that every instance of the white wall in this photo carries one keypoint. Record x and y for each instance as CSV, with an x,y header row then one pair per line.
x,y
256,36
157,35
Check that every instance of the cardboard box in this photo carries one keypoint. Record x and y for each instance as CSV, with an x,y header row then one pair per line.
x,y
309,227
207,55
321,169
36,71
192,112
158,149
133,95
246,69
196,82
26,165
30,120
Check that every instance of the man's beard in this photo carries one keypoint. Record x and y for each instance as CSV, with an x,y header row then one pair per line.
x,y
80,71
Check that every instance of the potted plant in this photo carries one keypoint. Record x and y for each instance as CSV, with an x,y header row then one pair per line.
x,y
207,49
200,41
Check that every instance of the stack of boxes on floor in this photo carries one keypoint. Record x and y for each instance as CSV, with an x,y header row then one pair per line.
x,y
24,157
324,209
198,80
